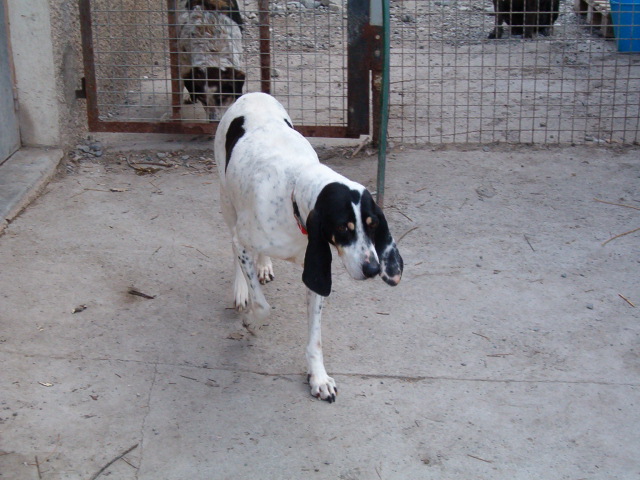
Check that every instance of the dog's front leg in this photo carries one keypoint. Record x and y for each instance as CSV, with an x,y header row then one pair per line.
x,y
322,385
258,305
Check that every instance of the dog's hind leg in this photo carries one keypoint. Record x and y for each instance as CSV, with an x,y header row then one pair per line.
x,y
253,296
240,287
322,385
265,269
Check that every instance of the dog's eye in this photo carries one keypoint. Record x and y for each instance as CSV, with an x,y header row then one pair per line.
x,y
342,229
372,223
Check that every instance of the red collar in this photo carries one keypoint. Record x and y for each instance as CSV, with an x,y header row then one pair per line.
x,y
296,214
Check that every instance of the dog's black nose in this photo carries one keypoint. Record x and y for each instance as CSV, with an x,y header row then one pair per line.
x,y
371,269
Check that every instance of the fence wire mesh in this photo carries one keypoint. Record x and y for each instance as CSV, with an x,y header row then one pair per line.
x,y
132,57
449,81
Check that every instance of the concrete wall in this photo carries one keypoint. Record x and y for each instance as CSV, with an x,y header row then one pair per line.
x,y
47,53
36,82
68,69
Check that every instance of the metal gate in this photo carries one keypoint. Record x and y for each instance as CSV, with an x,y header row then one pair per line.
x,y
321,59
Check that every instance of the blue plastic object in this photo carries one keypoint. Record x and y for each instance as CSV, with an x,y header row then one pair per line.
x,y
625,17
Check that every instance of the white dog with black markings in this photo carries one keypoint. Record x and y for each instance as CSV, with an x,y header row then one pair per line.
x,y
280,201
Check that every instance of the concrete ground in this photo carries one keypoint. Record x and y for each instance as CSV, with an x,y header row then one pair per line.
x,y
511,349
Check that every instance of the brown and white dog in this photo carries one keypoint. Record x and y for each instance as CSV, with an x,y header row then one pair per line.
x,y
210,52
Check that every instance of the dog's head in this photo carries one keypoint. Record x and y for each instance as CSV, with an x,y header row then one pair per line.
x,y
214,87
352,222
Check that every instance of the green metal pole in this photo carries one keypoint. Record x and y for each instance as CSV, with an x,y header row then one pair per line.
x,y
384,103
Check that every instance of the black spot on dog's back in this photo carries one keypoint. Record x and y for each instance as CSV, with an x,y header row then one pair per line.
x,y
288,123
234,133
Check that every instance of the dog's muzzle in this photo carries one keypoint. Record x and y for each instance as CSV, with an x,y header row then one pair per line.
x,y
371,269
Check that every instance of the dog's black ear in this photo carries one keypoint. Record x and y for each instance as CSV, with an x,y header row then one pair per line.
x,y
317,259
391,263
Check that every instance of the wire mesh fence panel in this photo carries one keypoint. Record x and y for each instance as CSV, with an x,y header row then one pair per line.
x,y
143,51
551,77
309,69
459,72
130,59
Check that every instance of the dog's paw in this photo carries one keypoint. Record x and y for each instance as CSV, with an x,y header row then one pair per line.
x,y
241,305
323,387
265,269
241,295
265,276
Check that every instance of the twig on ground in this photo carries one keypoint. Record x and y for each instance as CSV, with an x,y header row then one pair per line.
x,y
365,140
527,239
129,463
140,170
129,450
157,164
406,233
378,473
133,291
616,204
626,300
621,235
478,458
158,189
38,468
96,190
201,253
401,212
483,336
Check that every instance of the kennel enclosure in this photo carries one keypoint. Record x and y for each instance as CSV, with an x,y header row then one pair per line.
x,y
449,83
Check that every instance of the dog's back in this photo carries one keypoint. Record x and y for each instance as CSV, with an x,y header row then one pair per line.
x,y
260,156
257,129
258,110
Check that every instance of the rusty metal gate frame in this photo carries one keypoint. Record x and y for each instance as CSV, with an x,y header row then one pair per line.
x,y
363,63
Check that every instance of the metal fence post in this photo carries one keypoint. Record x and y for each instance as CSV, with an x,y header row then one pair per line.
x,y
380,16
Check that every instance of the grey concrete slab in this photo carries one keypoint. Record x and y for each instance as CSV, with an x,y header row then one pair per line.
x,y
22,177
508,350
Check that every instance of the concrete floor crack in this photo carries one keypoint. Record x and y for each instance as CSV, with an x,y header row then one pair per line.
x,y
144,419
